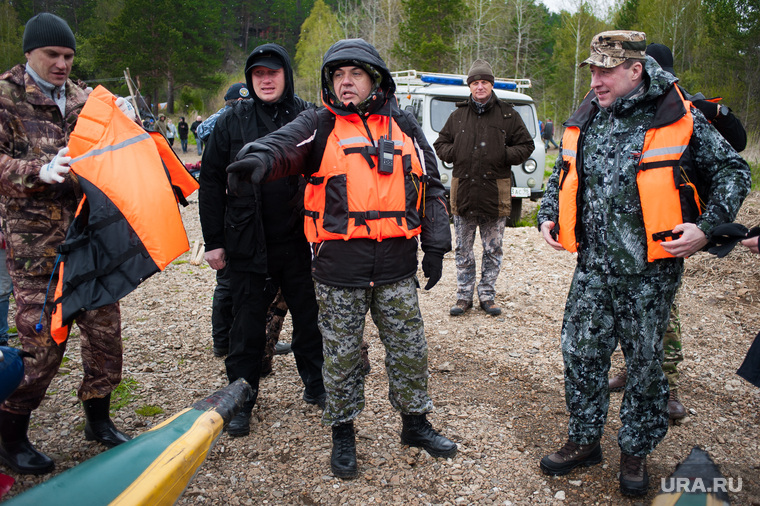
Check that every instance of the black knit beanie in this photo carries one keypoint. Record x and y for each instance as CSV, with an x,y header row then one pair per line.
x,y
47,29
480,71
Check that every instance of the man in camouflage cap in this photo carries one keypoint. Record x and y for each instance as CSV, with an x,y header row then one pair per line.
x,y
612,199
39,106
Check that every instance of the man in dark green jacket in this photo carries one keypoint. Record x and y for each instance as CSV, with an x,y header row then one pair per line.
x,y
483,138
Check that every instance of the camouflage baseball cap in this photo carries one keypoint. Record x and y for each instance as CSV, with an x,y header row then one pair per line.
x,y
610,49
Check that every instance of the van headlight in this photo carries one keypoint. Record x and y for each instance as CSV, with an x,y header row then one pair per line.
x,y
530,166
444,178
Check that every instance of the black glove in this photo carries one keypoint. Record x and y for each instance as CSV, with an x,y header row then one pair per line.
x,y
724,237
432,267
709,109
251,167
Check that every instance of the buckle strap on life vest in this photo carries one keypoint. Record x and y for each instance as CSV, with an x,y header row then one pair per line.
x,y
361,217
66,248
75,281
368,152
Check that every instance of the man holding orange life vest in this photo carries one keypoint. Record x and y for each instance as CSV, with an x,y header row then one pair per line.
x,y
39,106
642,181
373,190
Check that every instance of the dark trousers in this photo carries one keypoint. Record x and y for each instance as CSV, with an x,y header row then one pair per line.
x,y
221,310
290,269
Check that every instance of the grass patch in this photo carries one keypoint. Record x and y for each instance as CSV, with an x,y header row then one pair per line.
x,y
529,220
754,167
180,262
124,394
149,410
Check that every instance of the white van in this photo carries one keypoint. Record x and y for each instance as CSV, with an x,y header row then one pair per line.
x,y
433,97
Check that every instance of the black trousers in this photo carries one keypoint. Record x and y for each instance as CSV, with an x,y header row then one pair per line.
x,y
289,267
221,310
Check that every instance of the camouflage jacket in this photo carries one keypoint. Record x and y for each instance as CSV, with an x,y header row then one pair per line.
x,y
612,238
35,216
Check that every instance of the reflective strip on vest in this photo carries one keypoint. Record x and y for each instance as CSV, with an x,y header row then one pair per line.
x,y
663,204
132,227
349,199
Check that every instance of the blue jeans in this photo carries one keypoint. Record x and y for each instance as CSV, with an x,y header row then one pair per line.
x,y
183,142
6,288
200,146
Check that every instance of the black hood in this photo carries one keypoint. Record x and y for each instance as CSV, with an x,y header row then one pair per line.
x,y
353,51
280,52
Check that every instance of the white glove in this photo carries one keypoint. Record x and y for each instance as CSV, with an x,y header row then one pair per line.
x,y
58,167
126,108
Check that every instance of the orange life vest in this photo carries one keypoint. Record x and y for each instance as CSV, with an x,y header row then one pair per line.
x,y
127,226
668,196
349,198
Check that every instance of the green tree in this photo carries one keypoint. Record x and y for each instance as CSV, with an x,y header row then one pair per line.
x,y
164,43
428,35
11,33
318,33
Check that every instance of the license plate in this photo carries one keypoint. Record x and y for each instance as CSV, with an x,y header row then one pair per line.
x,y
520,192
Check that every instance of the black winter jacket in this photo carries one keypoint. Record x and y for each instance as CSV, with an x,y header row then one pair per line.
x,y
298,147
244,224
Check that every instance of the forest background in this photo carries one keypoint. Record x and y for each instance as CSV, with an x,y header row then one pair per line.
x,y
184,53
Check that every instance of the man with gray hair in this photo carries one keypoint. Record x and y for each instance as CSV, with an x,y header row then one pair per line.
x,y
642,181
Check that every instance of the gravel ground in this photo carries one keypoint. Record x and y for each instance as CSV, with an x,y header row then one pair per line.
x,y
496,383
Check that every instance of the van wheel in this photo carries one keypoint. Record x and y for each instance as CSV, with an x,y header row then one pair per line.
x,y
516,213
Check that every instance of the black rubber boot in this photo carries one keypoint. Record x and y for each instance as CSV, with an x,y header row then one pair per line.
x,y
240,425
99,426
417,431
16,451
343,458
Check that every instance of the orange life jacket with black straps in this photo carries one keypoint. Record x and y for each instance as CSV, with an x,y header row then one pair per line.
x,y
354,195
128,225
666,191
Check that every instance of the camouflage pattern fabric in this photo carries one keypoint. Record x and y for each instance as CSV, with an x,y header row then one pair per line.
x,y
100,341
35,217
616,295
671,343
601,311
612,48
613,231
395,310
491,235
275,316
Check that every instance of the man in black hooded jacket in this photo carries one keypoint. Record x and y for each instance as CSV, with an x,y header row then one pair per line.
x,y
256,233
373,190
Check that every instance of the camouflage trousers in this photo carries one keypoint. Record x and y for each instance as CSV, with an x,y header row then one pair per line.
x,y
100,340
671,343
602,310
395,310
491,236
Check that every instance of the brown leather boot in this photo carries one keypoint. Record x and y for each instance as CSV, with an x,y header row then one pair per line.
x,y
571,456
460,307
634,479
676,410
617,383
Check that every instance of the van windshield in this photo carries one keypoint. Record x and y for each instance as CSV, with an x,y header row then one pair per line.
x,y
442,107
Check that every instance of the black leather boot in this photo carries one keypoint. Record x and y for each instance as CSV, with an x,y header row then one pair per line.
x,y
343,458
417,431
99,426
16,451
240,425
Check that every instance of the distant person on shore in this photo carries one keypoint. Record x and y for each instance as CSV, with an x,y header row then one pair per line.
x,y
171,131
547,134
182,130
194,129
